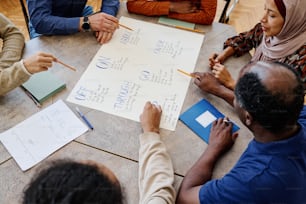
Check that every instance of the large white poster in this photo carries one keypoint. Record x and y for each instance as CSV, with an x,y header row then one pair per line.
x,y
139,66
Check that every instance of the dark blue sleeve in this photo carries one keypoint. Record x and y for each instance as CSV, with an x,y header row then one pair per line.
x,y
110,7
302,118
229,189
44,22
235,186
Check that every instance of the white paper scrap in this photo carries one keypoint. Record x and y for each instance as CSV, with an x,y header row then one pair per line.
x,y
43,133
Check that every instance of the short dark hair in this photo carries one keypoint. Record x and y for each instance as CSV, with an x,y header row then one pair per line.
x,y
273,110
66,182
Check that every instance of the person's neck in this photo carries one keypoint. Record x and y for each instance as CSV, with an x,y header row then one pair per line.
x,y
263,136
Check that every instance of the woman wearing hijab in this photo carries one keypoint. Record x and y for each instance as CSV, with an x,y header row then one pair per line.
x,y
194,11
280,36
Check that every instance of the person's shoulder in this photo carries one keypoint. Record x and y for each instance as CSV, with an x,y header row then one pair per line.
x,y
303,114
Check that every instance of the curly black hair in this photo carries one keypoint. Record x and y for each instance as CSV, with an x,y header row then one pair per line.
x,y
70,182
274,110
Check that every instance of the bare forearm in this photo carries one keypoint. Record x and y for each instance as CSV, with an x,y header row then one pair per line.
x,y
226,53
201,171
227,95
223,92
220,140
199,174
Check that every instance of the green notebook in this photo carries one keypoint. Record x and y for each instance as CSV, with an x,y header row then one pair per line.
x,y
174,22
42,86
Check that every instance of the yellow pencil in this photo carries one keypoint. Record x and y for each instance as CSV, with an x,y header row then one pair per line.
x,y
65,65
123,26
190,29
186,73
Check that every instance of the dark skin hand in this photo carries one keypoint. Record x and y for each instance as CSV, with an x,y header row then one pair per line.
x,y
221,140
210,84
207,82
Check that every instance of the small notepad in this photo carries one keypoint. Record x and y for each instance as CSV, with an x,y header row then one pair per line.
x,y
174,22
43,85
199,118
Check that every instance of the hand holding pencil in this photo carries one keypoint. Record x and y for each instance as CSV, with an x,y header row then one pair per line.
x,y
101,21
39,62
42,61
193,75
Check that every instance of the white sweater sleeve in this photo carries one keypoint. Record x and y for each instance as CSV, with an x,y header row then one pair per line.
x,y
156,173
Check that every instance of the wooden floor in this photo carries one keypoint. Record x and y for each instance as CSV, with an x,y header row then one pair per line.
x,y
243,17
245,14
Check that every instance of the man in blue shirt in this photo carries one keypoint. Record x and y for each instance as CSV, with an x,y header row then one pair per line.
x,y
269,101
61,17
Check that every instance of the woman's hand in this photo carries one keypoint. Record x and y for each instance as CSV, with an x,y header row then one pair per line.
x,y
220,58
223,76
216,58
39,62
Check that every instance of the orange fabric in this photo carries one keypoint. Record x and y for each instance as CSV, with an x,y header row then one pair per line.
x,y
205,15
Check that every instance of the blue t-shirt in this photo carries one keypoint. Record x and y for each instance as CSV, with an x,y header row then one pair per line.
x,y
51,17
274,172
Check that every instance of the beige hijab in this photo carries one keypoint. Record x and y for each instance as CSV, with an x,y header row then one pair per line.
x,y
291,37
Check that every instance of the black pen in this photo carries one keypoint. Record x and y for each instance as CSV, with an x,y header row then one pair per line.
x,y
32,98
84,118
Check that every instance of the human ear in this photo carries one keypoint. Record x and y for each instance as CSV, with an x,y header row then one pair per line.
x,y
248,118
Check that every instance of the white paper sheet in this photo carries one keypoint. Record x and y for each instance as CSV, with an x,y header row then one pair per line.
x,y
139,66
43,133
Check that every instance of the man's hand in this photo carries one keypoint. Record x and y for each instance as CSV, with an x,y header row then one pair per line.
x,y
208,83
103,37
221,138
150,117
103,22
39,62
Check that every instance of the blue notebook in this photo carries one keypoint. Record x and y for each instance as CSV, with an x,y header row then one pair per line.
x,y
200,116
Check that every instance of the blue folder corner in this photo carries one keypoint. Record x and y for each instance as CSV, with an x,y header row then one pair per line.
x,y
199,118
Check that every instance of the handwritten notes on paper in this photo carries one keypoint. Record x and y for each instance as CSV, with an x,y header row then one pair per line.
x,y
40,135
139,66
